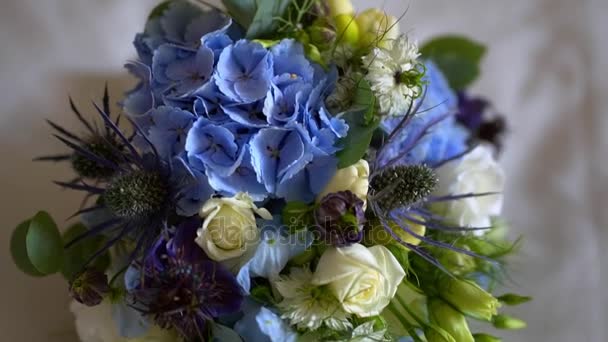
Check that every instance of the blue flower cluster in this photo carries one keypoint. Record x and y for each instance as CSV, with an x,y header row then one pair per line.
x,y
239,116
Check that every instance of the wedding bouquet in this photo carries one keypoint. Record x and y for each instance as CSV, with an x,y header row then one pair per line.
x,y
285,170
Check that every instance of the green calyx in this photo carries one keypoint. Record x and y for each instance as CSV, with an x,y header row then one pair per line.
x,y
136,195
402,186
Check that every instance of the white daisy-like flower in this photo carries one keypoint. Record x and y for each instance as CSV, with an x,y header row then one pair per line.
x,y
395,75
309,306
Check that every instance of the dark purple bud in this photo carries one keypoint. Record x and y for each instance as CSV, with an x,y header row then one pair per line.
x,y
90,287
475,114
340,218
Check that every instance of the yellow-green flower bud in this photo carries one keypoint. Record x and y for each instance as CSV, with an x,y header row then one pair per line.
x,y
337,7
456,262
376,27
450,320
486,338
468,298
508,322
347,30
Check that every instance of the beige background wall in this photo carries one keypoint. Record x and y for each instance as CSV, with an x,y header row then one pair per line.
x,y
546,70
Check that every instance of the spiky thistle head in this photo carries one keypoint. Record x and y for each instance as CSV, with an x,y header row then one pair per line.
x,y
96,153
180,289
136,194
105,148
403,185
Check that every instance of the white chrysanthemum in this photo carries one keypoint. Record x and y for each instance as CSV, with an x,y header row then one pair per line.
x,y
394,74
309,306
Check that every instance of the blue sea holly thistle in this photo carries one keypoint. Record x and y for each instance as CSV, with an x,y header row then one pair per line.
x,y
179,288
136,201
95,152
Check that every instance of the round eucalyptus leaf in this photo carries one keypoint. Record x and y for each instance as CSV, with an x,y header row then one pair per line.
x,y
19,250
44,244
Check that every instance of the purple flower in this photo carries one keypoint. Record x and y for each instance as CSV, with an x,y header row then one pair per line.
x,y
476,115
183,290
339,218
90,287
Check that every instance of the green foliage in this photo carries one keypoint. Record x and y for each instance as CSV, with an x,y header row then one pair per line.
x,y
362,122
242,11
159,10
258,17
485,338
457,57
78,254
37,247
513,299
19,250
508,322
263,294
297,216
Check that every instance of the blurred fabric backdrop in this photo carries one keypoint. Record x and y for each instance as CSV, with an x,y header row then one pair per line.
x,y
546,71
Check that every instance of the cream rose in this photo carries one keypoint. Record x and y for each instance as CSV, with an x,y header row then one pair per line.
x,y
363,279
354,178
477,172
229,230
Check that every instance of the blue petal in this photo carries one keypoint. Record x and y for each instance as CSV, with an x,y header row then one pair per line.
x,y
213,147
130,322
263,325
140,100
278,153
209,102
273,253
244,179
169,129
244,71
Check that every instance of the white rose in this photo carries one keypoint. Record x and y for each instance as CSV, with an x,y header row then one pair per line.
x,y
95,324
229,230
477,172
363,279
354,178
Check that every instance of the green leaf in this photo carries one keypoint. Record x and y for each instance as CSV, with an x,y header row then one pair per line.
x,y
457,57
297,215
159,10
19,250
265,20
44,244
78,254
485,338
362,122
513,299
263,294
242,11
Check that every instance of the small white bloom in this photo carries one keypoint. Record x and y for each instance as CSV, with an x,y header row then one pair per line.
x,y
354,178
229,230
389,69
309,306
95,324
363,279
475,173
